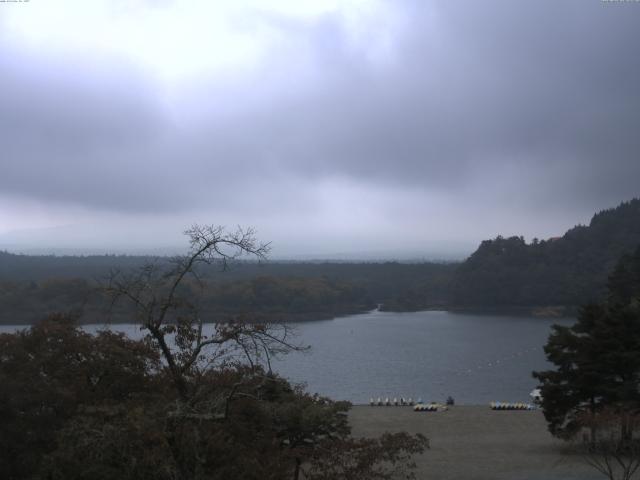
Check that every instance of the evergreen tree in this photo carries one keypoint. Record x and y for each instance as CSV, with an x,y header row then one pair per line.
x,y
598,358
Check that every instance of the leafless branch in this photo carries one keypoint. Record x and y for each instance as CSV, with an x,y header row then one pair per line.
x,y
154,290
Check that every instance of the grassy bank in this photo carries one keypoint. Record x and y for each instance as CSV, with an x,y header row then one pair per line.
x,y
476,443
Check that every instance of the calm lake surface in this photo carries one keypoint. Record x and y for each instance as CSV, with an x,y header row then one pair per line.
x,y
428,355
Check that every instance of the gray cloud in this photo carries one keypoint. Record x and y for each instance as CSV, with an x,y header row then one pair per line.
x,y
524,108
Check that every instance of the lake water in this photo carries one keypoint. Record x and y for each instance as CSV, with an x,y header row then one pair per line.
x,y
428,355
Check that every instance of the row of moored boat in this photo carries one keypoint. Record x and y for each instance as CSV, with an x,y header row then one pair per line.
x,y
430,407
511,406
396,402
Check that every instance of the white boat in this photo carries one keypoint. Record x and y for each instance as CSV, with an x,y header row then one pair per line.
x,y
536,395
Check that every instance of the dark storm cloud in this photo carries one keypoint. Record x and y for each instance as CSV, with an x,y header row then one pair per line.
x,y
532,102
546,88
541,95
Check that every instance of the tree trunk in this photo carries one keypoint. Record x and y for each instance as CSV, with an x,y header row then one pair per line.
x,y
178,378
296,472
593,428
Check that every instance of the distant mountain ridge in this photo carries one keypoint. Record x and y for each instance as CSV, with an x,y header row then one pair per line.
x,y
566,271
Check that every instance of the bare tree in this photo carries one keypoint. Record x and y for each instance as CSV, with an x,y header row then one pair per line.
x,y
613,447
167,309
224,415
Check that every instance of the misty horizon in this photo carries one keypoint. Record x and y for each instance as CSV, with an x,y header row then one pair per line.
x,y
25,242
359,128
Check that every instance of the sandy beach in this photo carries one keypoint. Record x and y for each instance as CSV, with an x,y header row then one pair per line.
x,y
477,443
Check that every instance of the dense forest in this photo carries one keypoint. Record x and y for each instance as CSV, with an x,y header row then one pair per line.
x,y
566,271
33,286
551,275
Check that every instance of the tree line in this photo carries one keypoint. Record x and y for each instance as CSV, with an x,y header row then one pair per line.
x,y
269,291
562,272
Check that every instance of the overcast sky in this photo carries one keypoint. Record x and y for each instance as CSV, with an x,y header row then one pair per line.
x,y
406,128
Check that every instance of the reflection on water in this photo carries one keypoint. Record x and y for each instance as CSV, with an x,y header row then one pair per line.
x,y
428,355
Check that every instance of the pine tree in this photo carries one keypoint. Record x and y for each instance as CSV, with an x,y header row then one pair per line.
x,y
597,358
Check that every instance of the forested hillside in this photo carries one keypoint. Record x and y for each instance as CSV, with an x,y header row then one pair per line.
x,y
566,271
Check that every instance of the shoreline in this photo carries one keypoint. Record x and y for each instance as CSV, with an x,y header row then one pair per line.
x,y
558,312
